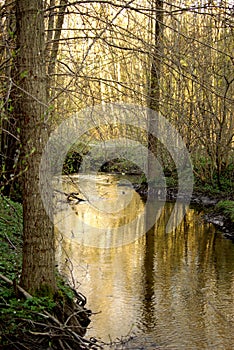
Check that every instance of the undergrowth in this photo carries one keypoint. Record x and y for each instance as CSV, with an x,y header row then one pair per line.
x,y
11,225
226,207
34,322
14,306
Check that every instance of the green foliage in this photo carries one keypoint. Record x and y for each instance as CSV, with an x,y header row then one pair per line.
x,y
14,308
172,181
24,74
11,225
227,208
142,179
24,308
74,158
211,184
227,178
72,163
64,291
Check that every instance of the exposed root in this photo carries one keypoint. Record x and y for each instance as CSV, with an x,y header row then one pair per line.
x,y
64,328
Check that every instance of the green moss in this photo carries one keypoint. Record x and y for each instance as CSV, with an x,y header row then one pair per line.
x,y
45,291
226,207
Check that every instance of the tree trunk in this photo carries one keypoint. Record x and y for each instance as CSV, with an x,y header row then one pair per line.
x,y
154,93
9,142
38,274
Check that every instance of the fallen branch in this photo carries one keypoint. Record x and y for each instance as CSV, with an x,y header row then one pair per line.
x,y
20,289
71,196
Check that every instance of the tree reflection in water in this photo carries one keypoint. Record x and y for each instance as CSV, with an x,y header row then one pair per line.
x,y
175,288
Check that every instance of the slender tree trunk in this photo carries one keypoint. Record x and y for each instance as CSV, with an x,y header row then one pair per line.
x,y
57,35
154,91
9,144
38,275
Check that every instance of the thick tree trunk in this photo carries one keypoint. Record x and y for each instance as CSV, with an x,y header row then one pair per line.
x,y
38,275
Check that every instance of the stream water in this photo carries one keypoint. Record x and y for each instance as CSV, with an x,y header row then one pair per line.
x,y
168,290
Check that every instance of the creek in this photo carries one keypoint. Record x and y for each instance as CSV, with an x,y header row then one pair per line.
x,y
169,290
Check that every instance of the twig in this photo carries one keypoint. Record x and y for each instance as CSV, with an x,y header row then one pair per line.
x,y
4,220
61,344
9,133
9,241
73,314
41,333
25,294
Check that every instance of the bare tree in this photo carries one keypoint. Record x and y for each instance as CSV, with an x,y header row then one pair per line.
x,y
154,88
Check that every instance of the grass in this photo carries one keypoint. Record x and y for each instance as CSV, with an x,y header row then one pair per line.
x,y
226,207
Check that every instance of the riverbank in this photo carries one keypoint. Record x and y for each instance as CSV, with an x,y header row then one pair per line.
x,y
218,206
29,322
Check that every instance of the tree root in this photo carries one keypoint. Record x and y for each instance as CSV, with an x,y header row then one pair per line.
x,y
63,329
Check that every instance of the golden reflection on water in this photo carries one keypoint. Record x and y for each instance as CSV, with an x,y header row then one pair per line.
x,y
107,209
175,288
